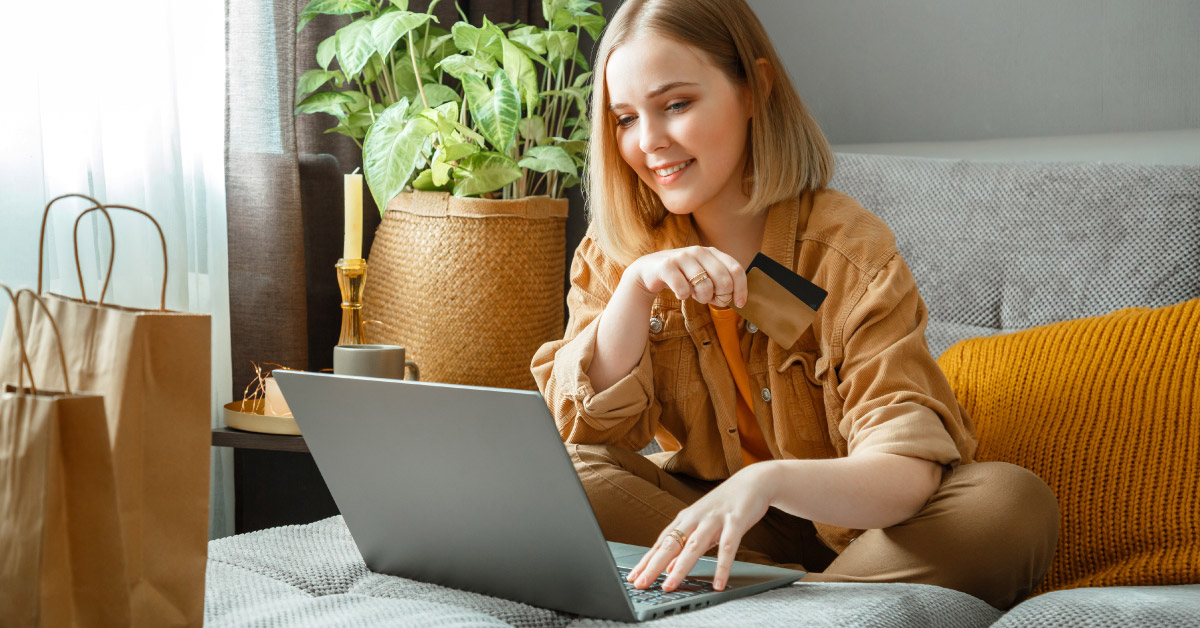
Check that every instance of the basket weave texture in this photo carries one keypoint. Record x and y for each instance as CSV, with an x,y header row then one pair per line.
x,y
471,287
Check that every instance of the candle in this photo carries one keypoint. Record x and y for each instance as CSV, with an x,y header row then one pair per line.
x,y
352,247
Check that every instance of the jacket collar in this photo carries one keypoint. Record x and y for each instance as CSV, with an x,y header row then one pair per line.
x,y
778,243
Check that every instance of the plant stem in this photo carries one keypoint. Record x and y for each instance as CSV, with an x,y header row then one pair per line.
x,y
416,73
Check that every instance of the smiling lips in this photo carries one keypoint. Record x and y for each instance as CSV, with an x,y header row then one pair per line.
x,y
668,174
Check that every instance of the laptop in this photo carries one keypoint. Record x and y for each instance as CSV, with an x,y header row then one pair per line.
x,y
472,488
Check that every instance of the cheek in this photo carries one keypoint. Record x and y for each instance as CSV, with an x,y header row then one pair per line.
x,y
631,152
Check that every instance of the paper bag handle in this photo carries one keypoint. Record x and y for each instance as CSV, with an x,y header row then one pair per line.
x,y
16,313
97,205
62,354
162,304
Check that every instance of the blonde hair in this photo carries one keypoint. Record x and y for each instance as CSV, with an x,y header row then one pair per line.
x,y
788,153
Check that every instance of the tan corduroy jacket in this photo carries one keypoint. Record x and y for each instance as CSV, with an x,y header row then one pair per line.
x,y
860,379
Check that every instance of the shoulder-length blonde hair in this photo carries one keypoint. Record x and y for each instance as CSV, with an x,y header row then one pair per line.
x,y
788,153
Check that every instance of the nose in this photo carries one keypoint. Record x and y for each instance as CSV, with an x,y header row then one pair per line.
x,y
653,136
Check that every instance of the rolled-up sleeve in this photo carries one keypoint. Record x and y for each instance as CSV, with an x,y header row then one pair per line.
x,y
624,414
896,398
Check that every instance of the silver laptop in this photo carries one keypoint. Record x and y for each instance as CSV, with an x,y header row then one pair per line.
x,y
472,488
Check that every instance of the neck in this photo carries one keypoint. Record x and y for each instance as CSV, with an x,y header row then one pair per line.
x,y
738,236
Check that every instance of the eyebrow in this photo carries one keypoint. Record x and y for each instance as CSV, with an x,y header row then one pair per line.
x,y
666,87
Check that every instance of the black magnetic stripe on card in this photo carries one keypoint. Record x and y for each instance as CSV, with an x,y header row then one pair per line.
x,y
810,293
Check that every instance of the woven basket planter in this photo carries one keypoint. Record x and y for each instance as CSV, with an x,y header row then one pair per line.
x,y
471,287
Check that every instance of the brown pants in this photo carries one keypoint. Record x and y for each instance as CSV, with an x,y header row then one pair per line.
x,y
989,530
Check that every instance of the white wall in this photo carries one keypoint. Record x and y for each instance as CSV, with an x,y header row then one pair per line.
x,y
950,77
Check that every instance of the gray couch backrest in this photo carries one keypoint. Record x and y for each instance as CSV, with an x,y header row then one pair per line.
x,y
1003,246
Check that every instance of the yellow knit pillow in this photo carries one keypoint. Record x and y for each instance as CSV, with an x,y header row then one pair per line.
x,y
1106,410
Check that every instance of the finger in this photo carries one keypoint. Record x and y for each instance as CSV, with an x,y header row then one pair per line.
x,y
637,569
723,281
697,544
676,278
667,550
692,268
730,539
737,278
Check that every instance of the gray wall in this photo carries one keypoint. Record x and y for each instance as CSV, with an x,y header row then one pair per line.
x,y
874,71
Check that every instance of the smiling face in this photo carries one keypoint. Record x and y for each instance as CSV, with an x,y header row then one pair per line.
x,y
671,106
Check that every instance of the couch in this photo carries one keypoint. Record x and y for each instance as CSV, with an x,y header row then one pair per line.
x,y
996,248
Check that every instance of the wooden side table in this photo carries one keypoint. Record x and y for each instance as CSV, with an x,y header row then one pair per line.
x,y
275,481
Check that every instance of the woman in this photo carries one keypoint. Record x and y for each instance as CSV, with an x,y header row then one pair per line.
x,y
844,454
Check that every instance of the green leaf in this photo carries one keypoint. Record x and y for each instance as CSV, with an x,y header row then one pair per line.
x,y
437,46
458,65
529,37
560,46
550,8
355,46
547,158
402,4
484,172
331,7
325,102
533,128
581,79
580,7
520,71
573,147
424,182
478,41
573,93
458,150
392,151
441,169
389,28
311,80
565,19
326,50
439,94
496,112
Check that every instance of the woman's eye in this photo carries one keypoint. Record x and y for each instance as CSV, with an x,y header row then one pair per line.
x,y
625,122
679,106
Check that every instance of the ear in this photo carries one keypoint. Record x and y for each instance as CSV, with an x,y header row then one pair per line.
x,y
766,72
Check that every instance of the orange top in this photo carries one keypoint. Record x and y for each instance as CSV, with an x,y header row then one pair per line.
x,y
754,446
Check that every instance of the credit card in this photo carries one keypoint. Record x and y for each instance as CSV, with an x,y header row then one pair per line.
x,y
779,302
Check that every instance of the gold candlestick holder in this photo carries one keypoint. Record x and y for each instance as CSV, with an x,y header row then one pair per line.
x,y
352,277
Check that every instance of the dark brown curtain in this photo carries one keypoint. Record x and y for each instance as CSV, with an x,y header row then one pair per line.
x,y
284,183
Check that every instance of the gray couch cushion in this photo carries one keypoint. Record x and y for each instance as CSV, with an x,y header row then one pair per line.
x,y
1110,607
313,575
1003,246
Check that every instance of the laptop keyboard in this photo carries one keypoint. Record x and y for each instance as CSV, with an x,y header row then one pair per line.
x,y
654,593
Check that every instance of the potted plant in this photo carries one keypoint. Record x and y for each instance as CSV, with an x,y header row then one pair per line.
x,y
470,135
474,111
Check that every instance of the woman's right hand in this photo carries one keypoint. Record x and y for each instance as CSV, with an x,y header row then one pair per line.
x,y
675,269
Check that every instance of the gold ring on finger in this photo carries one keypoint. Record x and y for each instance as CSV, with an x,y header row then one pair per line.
x,y
679,537
724,299
701,277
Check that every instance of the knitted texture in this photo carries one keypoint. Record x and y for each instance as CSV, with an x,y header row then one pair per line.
x,y
313,575
1106,410
1109,607
1004,246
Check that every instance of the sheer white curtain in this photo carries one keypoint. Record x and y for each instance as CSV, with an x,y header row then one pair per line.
x,y
124,103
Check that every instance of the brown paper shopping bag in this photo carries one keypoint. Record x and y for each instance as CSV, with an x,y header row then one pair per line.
x,y
153,369
62,562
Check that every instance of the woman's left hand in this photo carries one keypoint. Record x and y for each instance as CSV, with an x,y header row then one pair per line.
x,y
721,517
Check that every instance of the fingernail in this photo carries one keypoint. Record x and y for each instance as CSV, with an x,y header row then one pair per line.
x,y
718,584
741,303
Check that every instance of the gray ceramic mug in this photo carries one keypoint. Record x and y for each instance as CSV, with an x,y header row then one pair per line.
x,y
386,361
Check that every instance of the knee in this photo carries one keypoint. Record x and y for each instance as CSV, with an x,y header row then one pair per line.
x,y
1003,492
597,457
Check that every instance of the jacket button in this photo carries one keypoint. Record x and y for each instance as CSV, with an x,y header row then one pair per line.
x,y
766,395
655,325
751,327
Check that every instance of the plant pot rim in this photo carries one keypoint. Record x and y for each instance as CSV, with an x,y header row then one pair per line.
x,y
426,203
